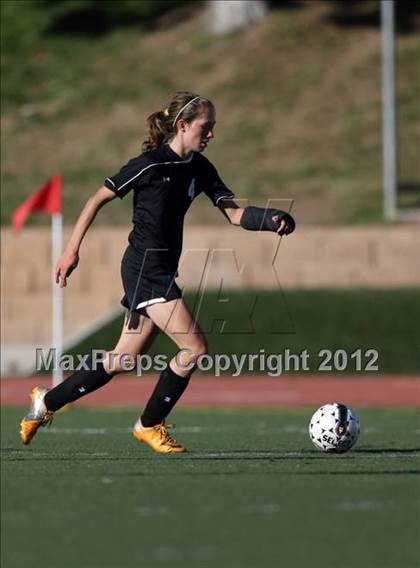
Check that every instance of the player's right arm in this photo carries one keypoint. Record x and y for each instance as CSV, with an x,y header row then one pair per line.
x,y
70,257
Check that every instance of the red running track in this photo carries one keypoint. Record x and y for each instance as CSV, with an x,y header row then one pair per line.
x,y
249,391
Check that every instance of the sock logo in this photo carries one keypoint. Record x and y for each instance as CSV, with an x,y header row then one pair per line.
x,y
82,389
167,399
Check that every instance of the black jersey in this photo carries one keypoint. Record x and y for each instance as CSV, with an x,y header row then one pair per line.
x,y
164,187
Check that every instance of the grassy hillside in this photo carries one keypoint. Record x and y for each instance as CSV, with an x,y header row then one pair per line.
x,y
298,99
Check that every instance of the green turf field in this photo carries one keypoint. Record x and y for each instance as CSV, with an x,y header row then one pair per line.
x,y
251,492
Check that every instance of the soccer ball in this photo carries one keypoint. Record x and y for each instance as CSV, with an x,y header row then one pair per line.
x,y
334,428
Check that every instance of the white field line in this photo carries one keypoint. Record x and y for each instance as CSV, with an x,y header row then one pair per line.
x,y
181,429
359,505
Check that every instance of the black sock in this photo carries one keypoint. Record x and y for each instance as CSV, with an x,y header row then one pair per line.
x,y
77,385
168,391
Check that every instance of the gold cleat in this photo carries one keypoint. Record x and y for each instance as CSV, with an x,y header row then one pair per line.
x,y
158,438
37,415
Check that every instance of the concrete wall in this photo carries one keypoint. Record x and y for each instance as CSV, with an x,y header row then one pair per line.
x,y
228,256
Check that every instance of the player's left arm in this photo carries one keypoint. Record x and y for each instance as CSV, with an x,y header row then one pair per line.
x,y
257,218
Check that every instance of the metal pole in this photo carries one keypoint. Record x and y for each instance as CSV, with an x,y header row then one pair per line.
x,y
57,297
388,111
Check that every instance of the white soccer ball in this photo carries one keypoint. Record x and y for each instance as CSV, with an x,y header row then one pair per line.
x,y
334,428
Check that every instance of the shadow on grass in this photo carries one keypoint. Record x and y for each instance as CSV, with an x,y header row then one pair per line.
x,y
277,472
386,451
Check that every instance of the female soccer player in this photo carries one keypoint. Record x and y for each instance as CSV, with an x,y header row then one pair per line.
x,y
164,180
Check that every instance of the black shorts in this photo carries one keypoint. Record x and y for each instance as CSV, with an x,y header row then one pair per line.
x,y
143,290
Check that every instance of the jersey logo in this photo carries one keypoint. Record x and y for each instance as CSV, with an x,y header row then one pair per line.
x,y
166,179
191,189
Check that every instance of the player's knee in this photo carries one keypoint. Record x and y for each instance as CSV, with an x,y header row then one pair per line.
x,y
117,362
200,348
190,354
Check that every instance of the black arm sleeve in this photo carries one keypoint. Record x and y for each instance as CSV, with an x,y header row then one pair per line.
x,y
214,187
127,178
259,219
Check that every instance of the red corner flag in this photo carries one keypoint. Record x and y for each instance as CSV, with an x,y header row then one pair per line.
x,y
46,200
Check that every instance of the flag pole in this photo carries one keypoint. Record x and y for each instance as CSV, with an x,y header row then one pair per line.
x,y
389,150
47,199
57,297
